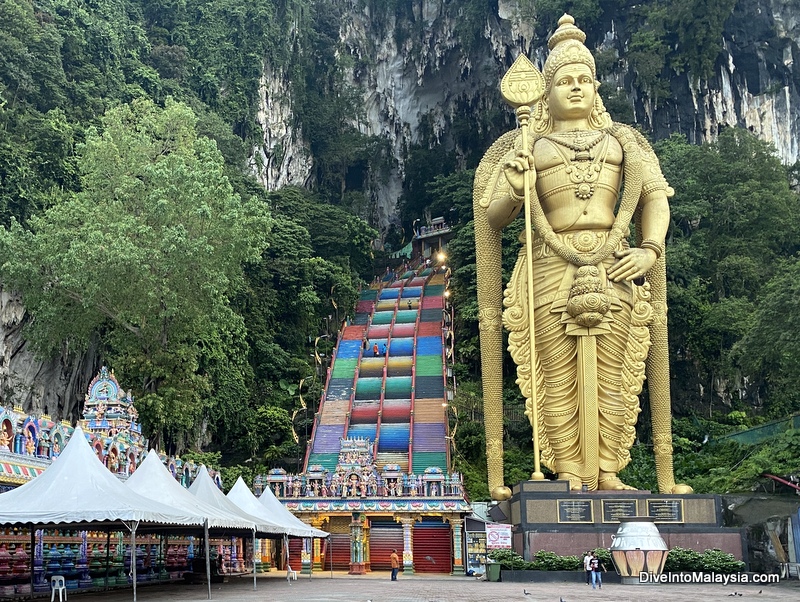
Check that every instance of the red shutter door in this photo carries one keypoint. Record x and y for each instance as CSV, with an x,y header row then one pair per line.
x,y
383,538
337,552
432,548
295,549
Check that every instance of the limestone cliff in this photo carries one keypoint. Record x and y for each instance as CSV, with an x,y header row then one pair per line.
x,y
427,70
53,386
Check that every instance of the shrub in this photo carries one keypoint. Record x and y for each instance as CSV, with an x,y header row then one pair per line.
x,y
710,561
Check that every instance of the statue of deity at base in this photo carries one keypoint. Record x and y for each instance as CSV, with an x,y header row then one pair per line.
x,y
591,305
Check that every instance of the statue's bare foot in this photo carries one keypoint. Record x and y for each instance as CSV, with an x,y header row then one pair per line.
x,y
609,481
575,483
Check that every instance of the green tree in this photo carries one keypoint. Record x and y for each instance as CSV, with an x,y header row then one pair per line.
x,y
143,261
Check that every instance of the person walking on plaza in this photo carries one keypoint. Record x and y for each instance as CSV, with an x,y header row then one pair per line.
x,y
587,566
597,576
395,564
375,350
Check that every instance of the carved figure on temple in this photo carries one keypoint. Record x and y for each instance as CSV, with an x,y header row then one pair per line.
x,y
323,491
585,301
354,482
296,487
30,446
4,438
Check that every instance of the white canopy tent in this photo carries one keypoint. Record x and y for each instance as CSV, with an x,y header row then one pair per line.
x,y
244,498
241,495
277,509
154,481
77,490
204,488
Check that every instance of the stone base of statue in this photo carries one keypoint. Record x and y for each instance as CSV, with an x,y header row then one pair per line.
x,y
547,515
357,568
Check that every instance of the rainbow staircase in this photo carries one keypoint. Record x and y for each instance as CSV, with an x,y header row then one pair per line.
x,y
394,398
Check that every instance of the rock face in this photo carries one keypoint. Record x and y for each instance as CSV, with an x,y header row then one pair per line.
x,y
429,75
53,386
756,83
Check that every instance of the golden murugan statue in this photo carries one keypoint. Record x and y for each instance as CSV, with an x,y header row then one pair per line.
x,y
597,304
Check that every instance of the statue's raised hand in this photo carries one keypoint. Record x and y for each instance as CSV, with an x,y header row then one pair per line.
x,y
631,264
515,172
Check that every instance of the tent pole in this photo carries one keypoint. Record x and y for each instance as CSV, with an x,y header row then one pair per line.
x,y
254,560
108,552
33,553
133,557
208,557
330,545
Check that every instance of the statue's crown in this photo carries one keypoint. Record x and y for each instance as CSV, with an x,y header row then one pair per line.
x,y
566,48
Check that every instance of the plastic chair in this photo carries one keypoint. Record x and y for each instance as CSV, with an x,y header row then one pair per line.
x,y
57,583
290,574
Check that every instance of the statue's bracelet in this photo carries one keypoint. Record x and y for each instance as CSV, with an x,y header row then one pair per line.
x,y
652,245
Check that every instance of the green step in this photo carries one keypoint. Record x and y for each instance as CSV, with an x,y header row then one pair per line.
x,y
346,368
382,317
429,365
328,461
368,295
423,460
434,290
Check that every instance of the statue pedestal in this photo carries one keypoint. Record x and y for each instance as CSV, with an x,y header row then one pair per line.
x,y
357,568
546,515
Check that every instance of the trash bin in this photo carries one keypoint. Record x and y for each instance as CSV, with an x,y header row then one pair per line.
x,y
493,571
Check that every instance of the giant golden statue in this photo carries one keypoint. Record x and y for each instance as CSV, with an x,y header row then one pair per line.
x,y
597,304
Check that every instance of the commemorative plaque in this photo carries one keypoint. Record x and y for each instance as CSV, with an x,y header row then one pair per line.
x,y
665,511
613,510
575,511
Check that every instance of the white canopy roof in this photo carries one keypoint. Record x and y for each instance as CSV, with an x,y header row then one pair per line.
x,y
154,481
206,490
244,498
76,488
277,509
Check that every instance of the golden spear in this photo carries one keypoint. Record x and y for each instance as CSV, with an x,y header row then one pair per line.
x,y
521,87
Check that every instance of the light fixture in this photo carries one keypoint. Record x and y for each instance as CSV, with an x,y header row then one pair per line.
x,y
638,549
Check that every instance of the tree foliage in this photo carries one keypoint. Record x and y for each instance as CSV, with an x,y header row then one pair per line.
x,y
145,258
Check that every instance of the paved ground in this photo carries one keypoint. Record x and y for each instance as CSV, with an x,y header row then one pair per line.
x,y
377,587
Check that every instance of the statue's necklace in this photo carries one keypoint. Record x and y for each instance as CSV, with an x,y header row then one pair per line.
x,y
584,168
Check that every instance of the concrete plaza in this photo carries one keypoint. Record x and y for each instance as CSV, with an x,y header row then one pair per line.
x,y
376,587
